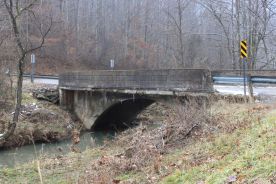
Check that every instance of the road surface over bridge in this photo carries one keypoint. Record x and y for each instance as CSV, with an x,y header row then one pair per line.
x,y
262,90
38,80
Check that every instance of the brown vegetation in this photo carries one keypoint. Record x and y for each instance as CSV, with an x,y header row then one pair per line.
x,y
144,149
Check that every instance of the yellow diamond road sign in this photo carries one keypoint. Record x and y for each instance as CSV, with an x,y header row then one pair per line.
x,y
243,49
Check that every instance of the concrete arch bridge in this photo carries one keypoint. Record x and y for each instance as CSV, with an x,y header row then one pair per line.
x,y
101,99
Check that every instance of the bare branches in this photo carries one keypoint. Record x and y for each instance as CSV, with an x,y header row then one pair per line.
x,y
21,10
14,15
176,18
43,36
145,33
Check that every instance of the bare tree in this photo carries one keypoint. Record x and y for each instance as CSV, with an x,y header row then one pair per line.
x,y
177,21
219,9
16,12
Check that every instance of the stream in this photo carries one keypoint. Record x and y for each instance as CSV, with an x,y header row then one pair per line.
x,y
28,153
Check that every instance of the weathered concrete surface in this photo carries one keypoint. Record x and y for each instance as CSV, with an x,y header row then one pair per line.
x,y
88,106
192,80
90,95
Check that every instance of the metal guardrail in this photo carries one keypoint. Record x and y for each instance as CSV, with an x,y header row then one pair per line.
x,y
240,72
239,80
38,76
42,76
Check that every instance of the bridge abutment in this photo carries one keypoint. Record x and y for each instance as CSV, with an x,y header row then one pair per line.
x,y
112,107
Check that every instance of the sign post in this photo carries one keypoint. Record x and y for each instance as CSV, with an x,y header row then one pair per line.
x,y
33,67
112,64
243,47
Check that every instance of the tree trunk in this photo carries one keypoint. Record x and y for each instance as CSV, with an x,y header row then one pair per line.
x,y
251,54
21,64
180,19
238,31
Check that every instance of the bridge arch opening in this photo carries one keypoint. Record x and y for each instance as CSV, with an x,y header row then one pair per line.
x,y
121,115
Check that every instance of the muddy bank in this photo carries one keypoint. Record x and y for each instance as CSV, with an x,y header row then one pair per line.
x,y
40,121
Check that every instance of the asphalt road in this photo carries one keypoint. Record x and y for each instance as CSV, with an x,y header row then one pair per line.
x,y
42,81
239,90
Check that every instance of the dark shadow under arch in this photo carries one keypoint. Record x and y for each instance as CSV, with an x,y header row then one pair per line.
x,y
120,116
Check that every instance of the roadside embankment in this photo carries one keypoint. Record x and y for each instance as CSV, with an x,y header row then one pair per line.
x,y
228,143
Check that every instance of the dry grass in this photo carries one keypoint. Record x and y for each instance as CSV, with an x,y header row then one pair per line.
x,y
237,154
143,159
143,147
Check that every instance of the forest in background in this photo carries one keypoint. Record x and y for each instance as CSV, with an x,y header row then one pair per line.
x,y
87,34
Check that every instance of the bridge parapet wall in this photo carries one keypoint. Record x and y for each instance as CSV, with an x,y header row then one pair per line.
x,y
190,80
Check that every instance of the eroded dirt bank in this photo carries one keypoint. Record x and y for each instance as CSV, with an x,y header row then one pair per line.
x,y
40,121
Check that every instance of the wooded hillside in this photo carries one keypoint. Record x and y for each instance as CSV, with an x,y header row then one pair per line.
x,y
87,34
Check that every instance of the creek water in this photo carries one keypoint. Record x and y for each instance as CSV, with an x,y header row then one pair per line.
x,y
28,153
